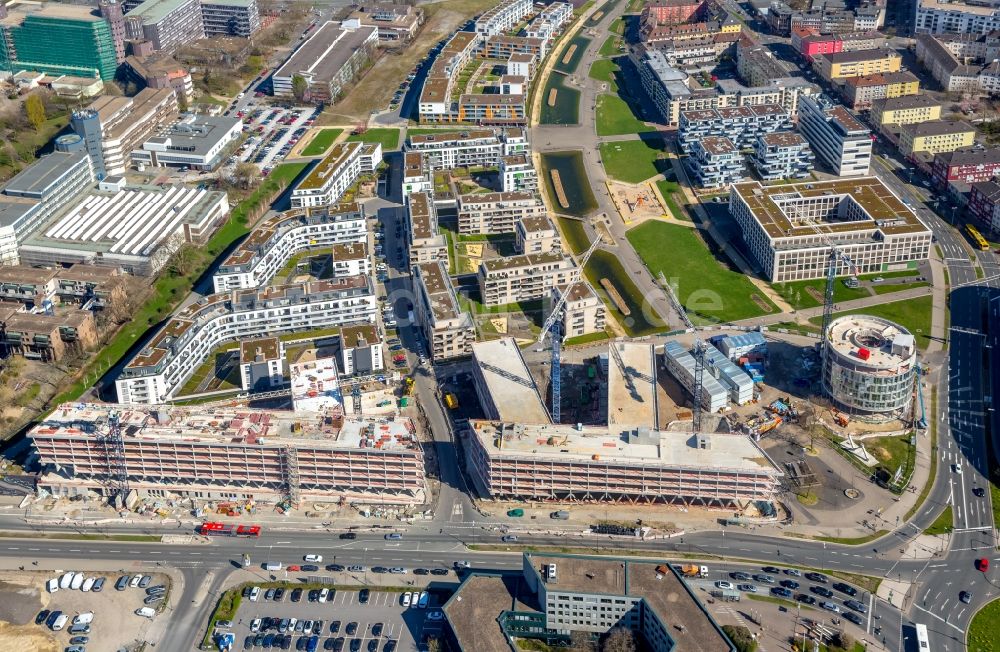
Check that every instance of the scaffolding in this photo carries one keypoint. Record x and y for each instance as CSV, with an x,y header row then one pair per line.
x,y
291,472
116,480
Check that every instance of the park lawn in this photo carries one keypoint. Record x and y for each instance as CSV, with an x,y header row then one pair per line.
x,y
669,190
898,287
388,137
709,291
589,338
984,630
912,314
617,26
321,142
797,296
610,47
632,161
943,524
614,117
604,70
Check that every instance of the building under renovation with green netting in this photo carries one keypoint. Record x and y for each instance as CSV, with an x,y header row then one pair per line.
x,y
57,39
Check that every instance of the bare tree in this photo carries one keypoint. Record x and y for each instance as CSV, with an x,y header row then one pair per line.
x,y
580,641
246,175
619,639
184,260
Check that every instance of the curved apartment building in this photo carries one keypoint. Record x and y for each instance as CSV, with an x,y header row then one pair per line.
x,y
155,374
869,364
269,246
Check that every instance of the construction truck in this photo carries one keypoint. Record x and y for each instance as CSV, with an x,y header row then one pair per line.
x,y
451,401
840,418
408,386
693,570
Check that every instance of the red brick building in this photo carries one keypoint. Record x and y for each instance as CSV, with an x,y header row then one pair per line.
x,y
672,12
984,204
966,166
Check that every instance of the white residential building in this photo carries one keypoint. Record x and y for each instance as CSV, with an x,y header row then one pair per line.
x,y
455,149
714,162
788,228
426,243
584,312
836,137
517,174
415,176
262,364
350,259
525,277
266,250
449,331
536,235
502,17
782,155
496,212
360,350
155,374
946,16
330,179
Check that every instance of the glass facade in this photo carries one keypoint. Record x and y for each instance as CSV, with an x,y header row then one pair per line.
x,y
59,46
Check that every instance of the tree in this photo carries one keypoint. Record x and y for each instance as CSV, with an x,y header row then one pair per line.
x,y
35,110
619,639
246,175
581,641
299,87
184,259
741,637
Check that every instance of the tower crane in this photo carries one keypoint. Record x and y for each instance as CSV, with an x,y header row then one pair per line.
x,y
554,326
698,353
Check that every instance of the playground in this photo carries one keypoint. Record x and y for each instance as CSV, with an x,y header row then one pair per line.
x,y
636,203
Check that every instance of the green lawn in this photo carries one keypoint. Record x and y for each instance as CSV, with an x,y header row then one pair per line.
x,y
632,161
943,524
614,117
912,314
671,192
889,288
610,47
604,70
586,339
984,630
710,291
617,26
809,294
388,137
321,142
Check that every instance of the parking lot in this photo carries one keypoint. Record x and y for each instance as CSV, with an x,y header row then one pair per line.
x,y
355,620
271,134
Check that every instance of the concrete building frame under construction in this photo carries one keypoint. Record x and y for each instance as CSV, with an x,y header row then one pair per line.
x,y
232,453
869,365
566,463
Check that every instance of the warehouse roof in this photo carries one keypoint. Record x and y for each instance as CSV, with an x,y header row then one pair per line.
x,y
324,53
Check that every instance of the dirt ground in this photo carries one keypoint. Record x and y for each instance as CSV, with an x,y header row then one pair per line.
x,y
378,84
636,203
23,595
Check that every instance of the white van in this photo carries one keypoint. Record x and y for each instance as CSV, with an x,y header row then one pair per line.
x,y
406,599
255,594
145,612
52,585
88,584
85,618
77,582
60,622
66,580
272,566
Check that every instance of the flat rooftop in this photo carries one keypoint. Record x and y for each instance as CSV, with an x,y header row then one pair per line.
x,y
324,54
856,56
43,173
25,275
331,163
526,260
537,223
509,382
229,427
445,138
196,134
439,291
421,216
718,145
473,609
260,350
884,210
890,347
153,11
632,390
349,251
670,449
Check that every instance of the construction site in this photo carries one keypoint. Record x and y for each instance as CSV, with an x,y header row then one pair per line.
x,y
123,453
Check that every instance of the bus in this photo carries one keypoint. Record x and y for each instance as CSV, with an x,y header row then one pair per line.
x,y
221,529
923,644
977,238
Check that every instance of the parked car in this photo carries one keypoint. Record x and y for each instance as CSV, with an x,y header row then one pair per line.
x,y
845,588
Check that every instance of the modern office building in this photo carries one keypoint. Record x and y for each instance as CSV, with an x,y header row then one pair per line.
x,y
272,244
789,229
114,127
423,237
157,372
740,124
556,595
449,330
196,142
714,161
782,155
840,65
36,193
839,139
329,60
516,461
536,235
905,110
165,24
681,365
860,92
525,277
230,17
57,39
226,454
869,365
329,179
936,137
496,212
984,205
583,313
503,384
